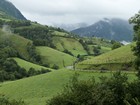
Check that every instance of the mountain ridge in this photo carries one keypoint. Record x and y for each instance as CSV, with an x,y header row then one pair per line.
x,y
112,29
7,9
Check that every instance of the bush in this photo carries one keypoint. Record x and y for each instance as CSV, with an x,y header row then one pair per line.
x,y
68,52
45,71
6,101
115,90
56,67
116,45
96,50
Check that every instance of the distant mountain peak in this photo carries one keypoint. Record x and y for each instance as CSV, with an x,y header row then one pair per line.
x,y
70,27
112,29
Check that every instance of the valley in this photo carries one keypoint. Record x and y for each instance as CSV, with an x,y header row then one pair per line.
x,y
45,65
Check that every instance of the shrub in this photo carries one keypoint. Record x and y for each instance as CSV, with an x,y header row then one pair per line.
x,y
6,101
115,90
56,67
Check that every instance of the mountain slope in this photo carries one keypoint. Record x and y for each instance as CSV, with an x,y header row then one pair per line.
x,y
112,29
16,42
8,9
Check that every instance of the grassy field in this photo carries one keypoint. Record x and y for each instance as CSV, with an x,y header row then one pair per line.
x,y
70,44
105,49
51,57
57,33
121,55
37,89
27,65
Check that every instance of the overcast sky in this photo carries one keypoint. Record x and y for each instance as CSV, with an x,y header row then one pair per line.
x,y
75,11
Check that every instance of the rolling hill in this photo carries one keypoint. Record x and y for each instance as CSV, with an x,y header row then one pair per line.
x,y
15,41
70,44
112,29
122,55
51,56
27,65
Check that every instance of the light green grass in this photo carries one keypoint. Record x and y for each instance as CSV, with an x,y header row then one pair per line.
x,y
57,33
27,65
121,55
105,49
37,89
70,44
51,57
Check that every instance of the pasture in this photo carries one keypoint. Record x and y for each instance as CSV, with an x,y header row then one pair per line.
x,y
27,65
51,57
37,89
115,57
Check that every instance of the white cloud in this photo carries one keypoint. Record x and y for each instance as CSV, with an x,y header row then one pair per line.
x,y
74,11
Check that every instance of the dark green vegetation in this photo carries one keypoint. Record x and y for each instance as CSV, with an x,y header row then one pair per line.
x,y
8,10
136,21
6,101
112,29
114,90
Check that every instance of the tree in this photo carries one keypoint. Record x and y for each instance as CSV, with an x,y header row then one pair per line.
x,y
135,20
96,50
56,67
109,91
116,45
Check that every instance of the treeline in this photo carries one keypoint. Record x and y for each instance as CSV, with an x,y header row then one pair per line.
x,y
15,23
40,35
85,45
12,71
116,90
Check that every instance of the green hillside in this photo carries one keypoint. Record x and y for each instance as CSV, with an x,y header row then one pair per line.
x,y
118,56
15,41
27,65
37,89
70,44
51,57
62,34
102,50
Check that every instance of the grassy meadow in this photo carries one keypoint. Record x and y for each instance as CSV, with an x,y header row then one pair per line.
x,y
27,65
37,89
70,44
51,57
120,56
57,33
